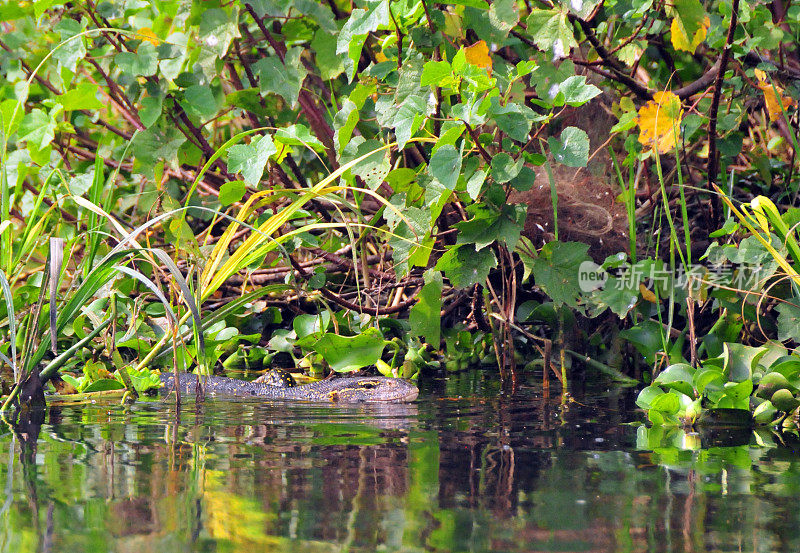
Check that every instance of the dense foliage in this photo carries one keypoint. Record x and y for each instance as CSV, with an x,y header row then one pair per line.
x,y
363,184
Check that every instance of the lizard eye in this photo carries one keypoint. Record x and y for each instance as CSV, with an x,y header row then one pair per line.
x,y
368,384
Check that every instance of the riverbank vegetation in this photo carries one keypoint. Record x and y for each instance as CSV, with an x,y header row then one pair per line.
x,y
409,186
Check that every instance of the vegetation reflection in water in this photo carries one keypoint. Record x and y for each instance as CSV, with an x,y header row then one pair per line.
x,y
249,476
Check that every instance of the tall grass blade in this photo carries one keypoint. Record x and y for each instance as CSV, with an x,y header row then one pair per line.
x,y
56,262
12,322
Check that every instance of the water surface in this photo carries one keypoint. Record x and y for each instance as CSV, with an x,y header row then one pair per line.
x,y
461,469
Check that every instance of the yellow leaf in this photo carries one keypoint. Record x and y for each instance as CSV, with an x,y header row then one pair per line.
x,y
380,56
680,38
659,121
478,54
776,104
647,295
146,33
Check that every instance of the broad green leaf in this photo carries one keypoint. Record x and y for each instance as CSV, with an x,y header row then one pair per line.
x,y
504,168
445,166
231,192
277,78
361,22
250,159
330,64
83,96
103,385
679,376
344,122
490,226
556,271
436,73
201,101
576,91
150,110
7,110
465,266
740,360
645,398
424,316
37,128
513,119
351,353
143,62
73,50
551,31
571,148
154,145
217,30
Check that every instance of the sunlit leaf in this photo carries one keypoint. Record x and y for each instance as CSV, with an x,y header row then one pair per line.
x,y
659,122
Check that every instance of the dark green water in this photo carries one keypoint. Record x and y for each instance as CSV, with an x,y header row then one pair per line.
x,y
447,473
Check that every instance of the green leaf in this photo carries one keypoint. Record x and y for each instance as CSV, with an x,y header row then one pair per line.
x,y
551,31
576,92
504,168
103,385
740,360
37,128
201,101
250,159
465,266
445,166
83,96
572,147
436,73
479,4
217,30
503,15
154,145
7,109
424,316
330,64
645,398
490,226
143,62
231,192
788,320
691,14
361,22
351,353
150,110
277,78
73,50
678,377
513,119
344,123
556,271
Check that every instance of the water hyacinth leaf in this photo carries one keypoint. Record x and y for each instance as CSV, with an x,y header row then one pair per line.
x,y
571,148
104,385
351,353
677,377
645,398
740,360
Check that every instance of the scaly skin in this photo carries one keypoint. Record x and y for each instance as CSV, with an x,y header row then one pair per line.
x,y
341,390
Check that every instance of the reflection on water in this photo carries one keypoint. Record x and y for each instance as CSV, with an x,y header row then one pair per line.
x,y
458,470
